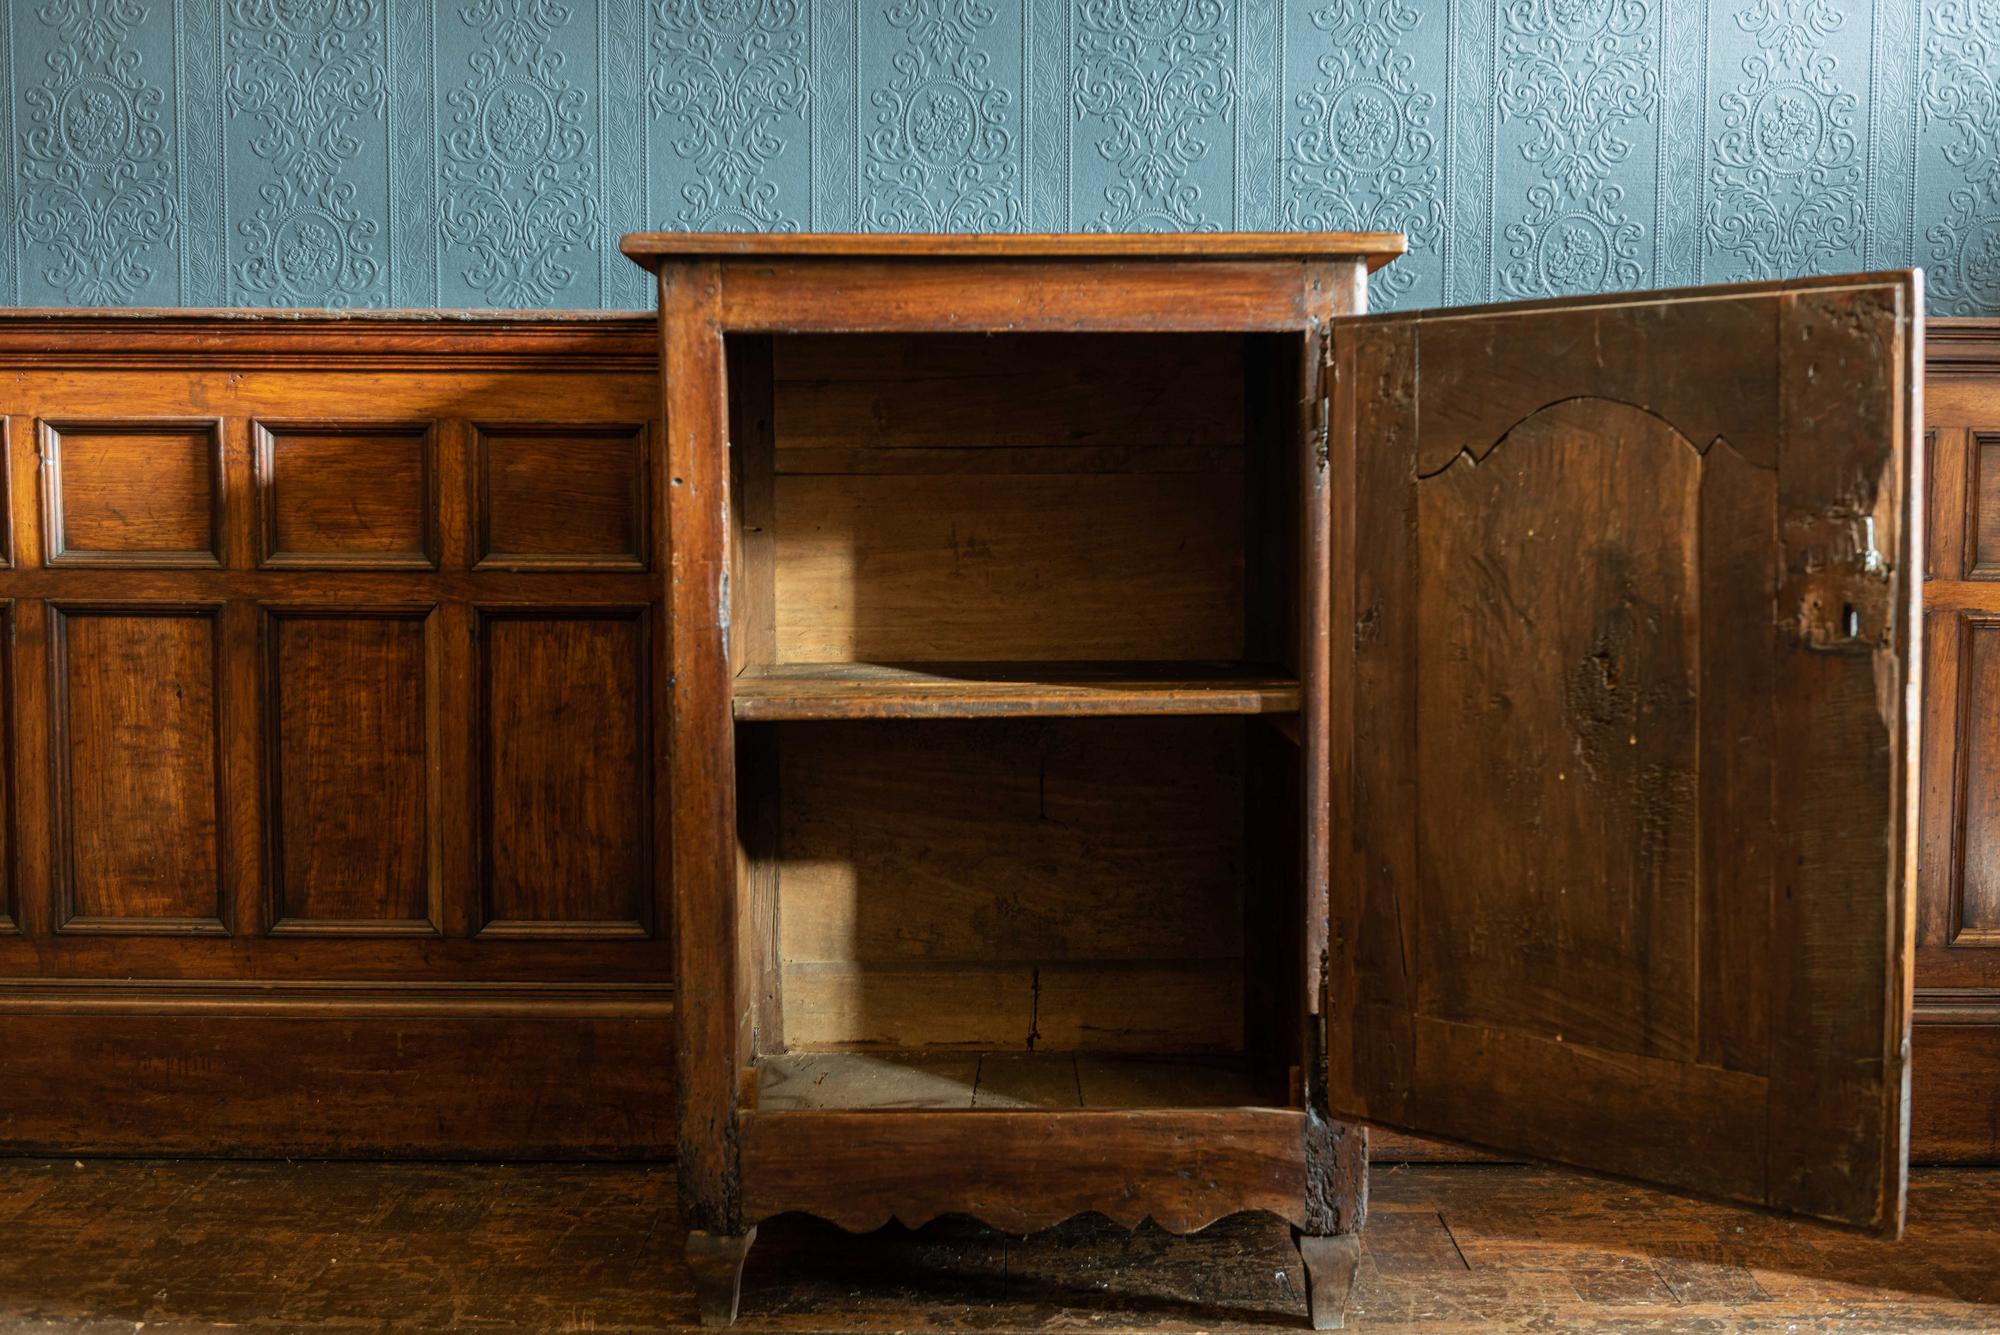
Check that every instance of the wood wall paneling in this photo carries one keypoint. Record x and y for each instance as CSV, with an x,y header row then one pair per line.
x,y
346,494
137,735
133,491
9,820
352,725
566,752
562,496
242,870
1955,1076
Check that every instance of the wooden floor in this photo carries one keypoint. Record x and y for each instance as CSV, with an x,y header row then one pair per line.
x,y
111,1245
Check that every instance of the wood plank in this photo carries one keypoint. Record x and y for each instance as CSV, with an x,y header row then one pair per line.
x,y
716,1006
974,843
1847,758
133,491
803,691
1027,1080
1183,1168
826,1081
1370,984
1035,567
988,1081
1147,1081
983,460
1738,832
1027,296
1093,396
1143,1006
555,495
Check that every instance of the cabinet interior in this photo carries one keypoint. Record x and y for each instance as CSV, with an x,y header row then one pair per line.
x,y
1013,626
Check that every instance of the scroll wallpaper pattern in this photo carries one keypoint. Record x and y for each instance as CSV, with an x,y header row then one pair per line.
x,y
489,153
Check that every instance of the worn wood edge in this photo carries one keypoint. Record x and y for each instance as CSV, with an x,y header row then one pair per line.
x,y
1016,1195
142,336
336,1000
1896,278
795,692
651,248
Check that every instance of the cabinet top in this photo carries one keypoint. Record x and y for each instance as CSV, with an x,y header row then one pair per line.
x,y
1377,248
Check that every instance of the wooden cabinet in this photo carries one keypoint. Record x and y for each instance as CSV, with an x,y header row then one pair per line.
x,y
1135,717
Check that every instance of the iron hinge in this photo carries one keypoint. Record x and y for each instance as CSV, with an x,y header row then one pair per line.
x,y
1323,404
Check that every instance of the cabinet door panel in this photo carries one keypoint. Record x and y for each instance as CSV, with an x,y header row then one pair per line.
x,y
1627,797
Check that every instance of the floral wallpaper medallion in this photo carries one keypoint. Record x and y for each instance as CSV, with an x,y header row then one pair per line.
x,y
305,77
1788,176
1366,153
1154,79
1961,115
1581,81
520,182
731,76
95,179
942,157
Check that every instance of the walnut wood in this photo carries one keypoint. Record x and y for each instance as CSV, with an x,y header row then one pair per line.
x,y
1181,1168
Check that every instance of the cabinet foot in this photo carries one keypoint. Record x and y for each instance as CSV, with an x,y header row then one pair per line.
x,y
716,1262
1331,1264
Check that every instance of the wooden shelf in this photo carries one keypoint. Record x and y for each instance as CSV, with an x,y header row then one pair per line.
x,y
797,691
991,1081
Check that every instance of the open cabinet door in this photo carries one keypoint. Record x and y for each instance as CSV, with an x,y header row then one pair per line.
x,y
1624,679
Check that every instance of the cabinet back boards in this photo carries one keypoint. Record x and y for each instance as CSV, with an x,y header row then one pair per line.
x,y
1136,718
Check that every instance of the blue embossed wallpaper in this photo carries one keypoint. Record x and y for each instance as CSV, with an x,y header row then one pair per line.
x,y
489,152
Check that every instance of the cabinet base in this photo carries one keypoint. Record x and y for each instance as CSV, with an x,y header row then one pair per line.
x,y
716,1262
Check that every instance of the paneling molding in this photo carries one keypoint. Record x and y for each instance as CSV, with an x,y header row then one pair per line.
x,y
337,1000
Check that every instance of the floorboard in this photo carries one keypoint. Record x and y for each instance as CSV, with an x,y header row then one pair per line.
x,y
114,1245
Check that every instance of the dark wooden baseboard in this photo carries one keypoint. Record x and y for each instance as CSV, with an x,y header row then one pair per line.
x,y
508,1071
1955,1077
331,1071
